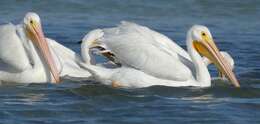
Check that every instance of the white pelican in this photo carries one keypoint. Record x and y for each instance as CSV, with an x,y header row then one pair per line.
x,y
26,56
150,58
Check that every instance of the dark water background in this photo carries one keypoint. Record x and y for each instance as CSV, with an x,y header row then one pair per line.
x,y
235,26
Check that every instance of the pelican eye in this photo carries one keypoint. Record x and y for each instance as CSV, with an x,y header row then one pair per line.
x,y
31,21
203,34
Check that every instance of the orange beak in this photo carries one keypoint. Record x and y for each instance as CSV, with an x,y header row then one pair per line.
x,y
209,49
35,33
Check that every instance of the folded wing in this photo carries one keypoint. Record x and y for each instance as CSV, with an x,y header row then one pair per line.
x,y
13,56
149,51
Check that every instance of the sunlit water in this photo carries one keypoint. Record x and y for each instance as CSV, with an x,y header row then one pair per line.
x,y
234,25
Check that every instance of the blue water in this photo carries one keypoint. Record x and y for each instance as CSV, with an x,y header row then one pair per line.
x,y
235,26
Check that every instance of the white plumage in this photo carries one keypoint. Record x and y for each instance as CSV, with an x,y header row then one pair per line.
x,y
22,61
150,58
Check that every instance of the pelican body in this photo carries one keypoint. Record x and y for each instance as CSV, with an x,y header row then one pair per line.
x,y
27,56
150,58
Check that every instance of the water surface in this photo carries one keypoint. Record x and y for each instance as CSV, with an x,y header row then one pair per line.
x,y
234,25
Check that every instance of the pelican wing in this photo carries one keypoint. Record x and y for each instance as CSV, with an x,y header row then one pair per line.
x,y
67,61
153,53
13,57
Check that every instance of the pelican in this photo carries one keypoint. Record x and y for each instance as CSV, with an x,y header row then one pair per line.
x,y
27,56
150,58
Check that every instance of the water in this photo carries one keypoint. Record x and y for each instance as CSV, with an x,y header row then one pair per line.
x,y
234,25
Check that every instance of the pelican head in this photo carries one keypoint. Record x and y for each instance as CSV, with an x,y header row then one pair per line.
x,y
204,44
33,29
